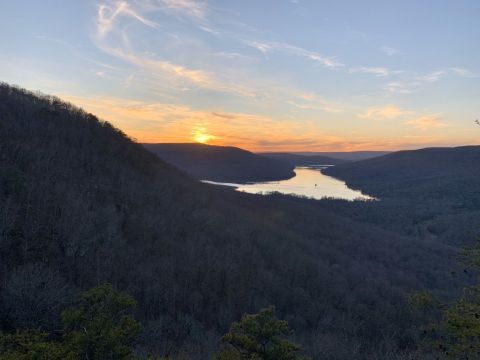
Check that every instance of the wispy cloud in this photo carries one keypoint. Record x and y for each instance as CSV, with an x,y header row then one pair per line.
x,y
153,66
156,67
107,13
427,122
385,112
378,71
402,87
312,101
401,81
262,47
431,77
408,117
192,8
266,47
466,73
409,82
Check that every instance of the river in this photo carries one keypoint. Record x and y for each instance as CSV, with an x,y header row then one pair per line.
x,y
308,181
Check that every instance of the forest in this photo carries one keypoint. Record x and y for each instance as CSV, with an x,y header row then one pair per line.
x,y
82,205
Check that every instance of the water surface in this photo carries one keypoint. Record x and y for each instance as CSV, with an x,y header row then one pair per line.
x,y
308,181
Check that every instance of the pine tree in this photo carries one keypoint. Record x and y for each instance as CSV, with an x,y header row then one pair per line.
x,y
259,337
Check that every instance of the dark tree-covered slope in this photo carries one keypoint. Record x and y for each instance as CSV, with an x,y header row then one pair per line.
x,y
442,173
81,205
302,160
430,193
222,163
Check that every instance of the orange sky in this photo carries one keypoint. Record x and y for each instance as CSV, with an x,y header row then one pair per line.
x,y
150,122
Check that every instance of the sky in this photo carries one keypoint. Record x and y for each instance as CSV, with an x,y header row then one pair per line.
x,y
264,75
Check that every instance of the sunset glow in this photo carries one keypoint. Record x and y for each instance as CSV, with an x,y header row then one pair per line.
x,y
200,135
315,75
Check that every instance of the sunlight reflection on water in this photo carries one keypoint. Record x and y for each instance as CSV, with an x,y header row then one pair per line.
x,y
308,181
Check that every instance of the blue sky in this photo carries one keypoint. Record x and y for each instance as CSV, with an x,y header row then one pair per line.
x,y
264,75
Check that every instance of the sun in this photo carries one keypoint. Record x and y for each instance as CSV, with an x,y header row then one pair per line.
x,y
202,138
200,135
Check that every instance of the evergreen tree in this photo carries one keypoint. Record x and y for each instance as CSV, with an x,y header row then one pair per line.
x,y
102,325
259,337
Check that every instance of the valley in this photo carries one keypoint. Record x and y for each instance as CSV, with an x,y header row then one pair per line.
x,y
95,207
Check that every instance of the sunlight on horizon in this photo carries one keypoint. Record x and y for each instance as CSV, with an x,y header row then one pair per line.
x,y
200,135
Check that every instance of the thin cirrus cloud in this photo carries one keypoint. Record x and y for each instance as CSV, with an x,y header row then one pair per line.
x,y
402,81
192,8
432,76
154,67
267,47
422,122
311,101
375,70
409,82
465,73
108,17
428,122
385,112
107,13
402,87
413,84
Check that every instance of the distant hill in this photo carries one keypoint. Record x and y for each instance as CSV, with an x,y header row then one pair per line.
x,y
347,155
302,160
429,172
222,163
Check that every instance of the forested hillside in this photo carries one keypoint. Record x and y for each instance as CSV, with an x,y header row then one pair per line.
x,y
222,163
81,204
444,173
432,193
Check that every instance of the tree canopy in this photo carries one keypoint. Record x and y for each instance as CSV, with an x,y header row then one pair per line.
x,y
259,337
100,326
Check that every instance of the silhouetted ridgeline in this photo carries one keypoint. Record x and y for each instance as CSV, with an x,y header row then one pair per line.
x,y
346,155
222,163
302,160
81,205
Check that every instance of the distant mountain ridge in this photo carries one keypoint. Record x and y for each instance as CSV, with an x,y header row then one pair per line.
x,y
302,160
221,163
346,155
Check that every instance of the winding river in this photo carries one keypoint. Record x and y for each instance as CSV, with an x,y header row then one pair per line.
x,y
308,181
